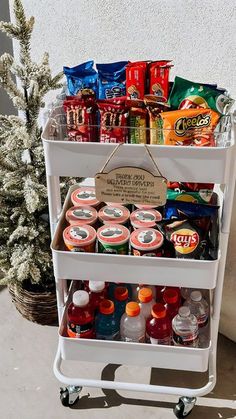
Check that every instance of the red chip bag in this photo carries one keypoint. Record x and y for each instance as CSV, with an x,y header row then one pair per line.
x,y
81,119
113,120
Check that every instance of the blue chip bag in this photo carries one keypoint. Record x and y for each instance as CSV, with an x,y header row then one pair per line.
x,y
111,80
82,76
181,209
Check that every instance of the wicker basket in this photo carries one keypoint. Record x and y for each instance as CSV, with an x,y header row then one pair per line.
x,y
39,307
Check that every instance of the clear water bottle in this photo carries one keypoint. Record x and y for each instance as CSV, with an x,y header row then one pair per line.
x,y
199,307
146,302
137,287
107,323
185,328
132,324
185,293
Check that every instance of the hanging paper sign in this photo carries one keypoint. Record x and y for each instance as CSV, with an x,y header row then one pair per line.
x,y
131,185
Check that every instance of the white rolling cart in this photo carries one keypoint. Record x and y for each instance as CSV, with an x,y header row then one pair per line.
x,y
183,164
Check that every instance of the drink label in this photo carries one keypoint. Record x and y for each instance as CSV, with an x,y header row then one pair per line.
x,y
78,330
202,320
185,340
163,341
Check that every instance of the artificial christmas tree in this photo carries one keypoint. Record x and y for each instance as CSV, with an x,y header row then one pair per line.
x,y
25,257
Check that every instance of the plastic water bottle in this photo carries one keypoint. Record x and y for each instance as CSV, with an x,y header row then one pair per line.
x,y
158,326
113,285
146,302
137,287
172,303
97,293
107,323
185,328
185,293
80,317
199,307
132,324
121,298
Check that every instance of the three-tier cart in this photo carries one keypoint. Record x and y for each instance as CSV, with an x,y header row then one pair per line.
x,y
183,164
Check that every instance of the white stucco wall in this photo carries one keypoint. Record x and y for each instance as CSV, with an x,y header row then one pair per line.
x,y
197,35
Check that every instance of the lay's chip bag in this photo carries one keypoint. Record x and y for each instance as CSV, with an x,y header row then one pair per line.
x,y
190,127
186,94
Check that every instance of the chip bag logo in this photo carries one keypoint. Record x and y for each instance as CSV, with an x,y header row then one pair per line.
x,y
182,125
185,240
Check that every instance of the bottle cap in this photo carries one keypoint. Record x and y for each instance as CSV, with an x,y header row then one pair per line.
x,y
145,295
184,311
132,309
196,296
158,311
80,298
106,307
121,293
96,286
170,296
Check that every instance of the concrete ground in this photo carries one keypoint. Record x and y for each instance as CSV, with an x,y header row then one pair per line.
x,y
29,390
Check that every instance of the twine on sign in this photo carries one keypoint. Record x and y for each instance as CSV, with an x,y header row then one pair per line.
x,y
147,151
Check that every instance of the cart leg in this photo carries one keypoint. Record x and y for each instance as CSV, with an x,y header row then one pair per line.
x,y
184,407
69,395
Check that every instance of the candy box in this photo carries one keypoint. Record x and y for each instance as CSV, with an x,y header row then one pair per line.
x,y
136,79
159,78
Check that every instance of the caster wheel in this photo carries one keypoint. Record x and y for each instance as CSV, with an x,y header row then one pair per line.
x,y
69,395
184,407
64,397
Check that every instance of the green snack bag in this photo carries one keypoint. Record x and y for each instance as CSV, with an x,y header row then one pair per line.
x,y
202,197
186,94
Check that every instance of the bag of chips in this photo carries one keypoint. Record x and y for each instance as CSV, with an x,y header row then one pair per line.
x,y
186,94
113,120
159,78
190,127
111,80
82,76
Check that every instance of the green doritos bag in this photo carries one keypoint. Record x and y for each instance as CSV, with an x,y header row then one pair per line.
x,y
186,94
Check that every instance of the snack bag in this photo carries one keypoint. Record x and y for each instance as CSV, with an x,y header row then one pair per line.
x,y
159,78
137,119
136,79
155,106
186,94
81,119
190,127
189,238
113,120
111,80
82,76
201,193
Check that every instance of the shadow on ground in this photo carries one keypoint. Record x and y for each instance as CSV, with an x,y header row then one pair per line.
x,y
225,387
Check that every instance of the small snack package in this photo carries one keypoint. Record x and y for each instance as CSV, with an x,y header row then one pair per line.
x,y
186,94
136,79
81,119
111,80
199,193
138,120
159,78
190,127
113,120
155,106
82,76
